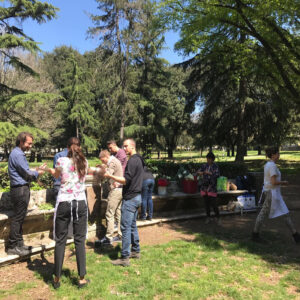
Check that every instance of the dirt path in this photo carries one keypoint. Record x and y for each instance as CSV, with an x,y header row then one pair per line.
x,y
240,228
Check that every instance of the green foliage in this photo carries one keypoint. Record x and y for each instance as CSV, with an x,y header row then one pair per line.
x,y
7,133
46,206
170,168
13,37
4,179
45,181
244,70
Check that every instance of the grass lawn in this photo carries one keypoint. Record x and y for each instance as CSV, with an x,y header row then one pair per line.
x,y
209,267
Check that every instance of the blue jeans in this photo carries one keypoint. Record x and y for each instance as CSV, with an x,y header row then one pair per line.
x,y
147,204
130,235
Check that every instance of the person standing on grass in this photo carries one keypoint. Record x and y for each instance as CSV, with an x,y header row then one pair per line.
x,y
274,205
57,181
210,172
132,187
114,199
119,153
20,177
147,190
71,206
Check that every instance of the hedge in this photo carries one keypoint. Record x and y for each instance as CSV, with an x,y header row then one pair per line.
x,y
170,168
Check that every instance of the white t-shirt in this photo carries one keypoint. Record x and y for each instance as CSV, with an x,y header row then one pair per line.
x,y
270,170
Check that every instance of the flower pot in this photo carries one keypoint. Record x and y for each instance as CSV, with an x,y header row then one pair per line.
x,y
173,187
162,190
190,186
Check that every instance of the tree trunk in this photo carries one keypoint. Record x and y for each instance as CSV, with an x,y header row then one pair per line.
x,y
77,131
158,154
259,150
6,153
228,152
170,152
32,156
241,130
232,150
122,125
39,157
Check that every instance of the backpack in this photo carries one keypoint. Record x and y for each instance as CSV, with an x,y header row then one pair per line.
x,y
244,182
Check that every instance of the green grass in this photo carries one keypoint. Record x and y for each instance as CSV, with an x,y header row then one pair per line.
x,y
17,290
214,267
289,160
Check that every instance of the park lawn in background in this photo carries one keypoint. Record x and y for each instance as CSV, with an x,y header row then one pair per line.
x,y
289,162
93,161
209,267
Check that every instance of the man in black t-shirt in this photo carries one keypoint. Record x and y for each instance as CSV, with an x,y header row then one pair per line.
x,y
132,188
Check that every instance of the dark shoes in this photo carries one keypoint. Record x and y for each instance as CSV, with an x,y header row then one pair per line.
x,y
56,284
146,218
134,254
117,239
124,262
103,242
82,285
296,237
18,251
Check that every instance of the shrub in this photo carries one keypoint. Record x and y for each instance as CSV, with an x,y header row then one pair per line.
x,y
4,179
45,181
170,168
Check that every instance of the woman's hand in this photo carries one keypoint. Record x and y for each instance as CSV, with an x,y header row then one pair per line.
x,y
207,173
42,168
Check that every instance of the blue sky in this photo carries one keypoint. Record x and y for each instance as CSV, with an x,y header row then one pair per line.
x,y
71,25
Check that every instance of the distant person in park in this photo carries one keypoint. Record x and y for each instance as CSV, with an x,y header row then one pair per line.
x,y
274,205
57,181
210,172
20,177
132,182
71,206
119,153
114,199
147,190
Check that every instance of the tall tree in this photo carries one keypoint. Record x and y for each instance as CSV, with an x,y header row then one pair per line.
x,y
271,24
70,73
232,41
115,27
12,38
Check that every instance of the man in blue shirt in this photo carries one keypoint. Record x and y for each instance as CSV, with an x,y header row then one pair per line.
x,y
57,181
20,178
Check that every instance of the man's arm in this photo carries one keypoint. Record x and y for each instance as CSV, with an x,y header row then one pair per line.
x,y
119,179
23,170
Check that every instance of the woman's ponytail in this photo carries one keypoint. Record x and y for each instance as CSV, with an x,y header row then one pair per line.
x,y
79,160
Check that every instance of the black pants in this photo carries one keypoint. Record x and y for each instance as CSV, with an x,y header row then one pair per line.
x,y
62,220
20,197
70,227
211,202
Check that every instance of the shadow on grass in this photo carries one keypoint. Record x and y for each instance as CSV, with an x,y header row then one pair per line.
x,y
45,270
107,250
279,248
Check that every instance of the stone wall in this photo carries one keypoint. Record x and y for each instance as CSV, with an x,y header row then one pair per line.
x,y
36,199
